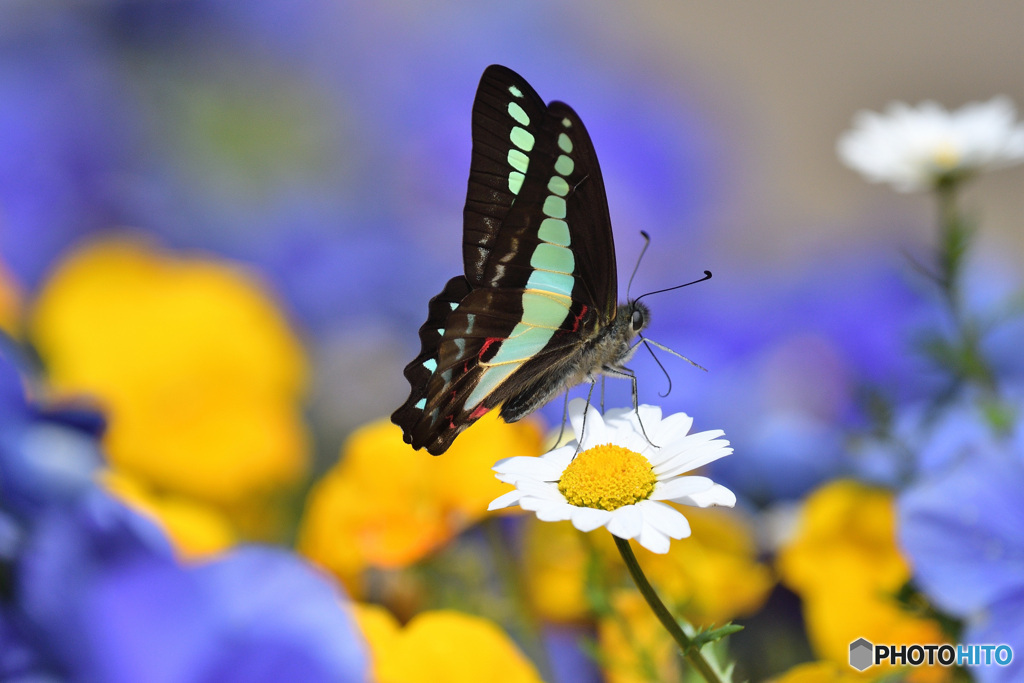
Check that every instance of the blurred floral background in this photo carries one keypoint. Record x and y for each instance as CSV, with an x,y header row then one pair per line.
x,y
220,224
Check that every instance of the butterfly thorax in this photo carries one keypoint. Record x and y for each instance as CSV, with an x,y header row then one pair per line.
x,y
613,346
605,353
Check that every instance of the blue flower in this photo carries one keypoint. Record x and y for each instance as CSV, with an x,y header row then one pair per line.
x,y
962,531
790,356
924,439
91,590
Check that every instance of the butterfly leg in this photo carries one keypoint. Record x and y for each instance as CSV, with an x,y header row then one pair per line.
x,y
565,418
583,427
631,376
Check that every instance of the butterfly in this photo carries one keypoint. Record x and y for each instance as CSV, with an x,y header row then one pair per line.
x,y
536,311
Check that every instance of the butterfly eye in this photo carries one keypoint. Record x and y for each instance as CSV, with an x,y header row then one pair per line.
x,y
638,320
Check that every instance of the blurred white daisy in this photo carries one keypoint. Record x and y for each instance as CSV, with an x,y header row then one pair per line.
x,y
914,148
617,478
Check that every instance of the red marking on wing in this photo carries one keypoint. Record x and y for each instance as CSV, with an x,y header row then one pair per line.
x,y
479,411
451,422
579,318
487,345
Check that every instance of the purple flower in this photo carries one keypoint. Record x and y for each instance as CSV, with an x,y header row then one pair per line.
x,y
962,531
91,590
790,355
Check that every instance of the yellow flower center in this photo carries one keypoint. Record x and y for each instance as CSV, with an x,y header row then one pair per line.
x,y
607,477
946,156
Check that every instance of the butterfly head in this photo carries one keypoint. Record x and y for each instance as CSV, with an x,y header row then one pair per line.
x,y
638,314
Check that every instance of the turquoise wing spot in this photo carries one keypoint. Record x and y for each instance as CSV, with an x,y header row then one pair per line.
x,y
516,92
566,123
554,230
430,364
524,343
453,305
554,207
520,161
542,311
516,112
553,257
440,330
522,138
515,182
564,143
488,382
564,165
421,404
556,283
557,185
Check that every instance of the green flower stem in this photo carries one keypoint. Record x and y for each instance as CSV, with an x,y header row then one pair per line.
x,y
955,238
690,651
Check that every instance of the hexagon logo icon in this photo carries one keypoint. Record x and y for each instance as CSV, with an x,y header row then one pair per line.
x,y
860,654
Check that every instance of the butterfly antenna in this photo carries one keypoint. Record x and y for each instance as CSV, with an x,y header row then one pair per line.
x,y
648,340
707,276
663,370
647,243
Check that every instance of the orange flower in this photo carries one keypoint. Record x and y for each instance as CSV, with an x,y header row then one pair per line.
x,y
443,645
385,505
197,369
845,565
634,646
711,577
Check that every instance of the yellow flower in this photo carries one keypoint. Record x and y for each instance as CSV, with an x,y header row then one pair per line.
x,y
385,505
634,646
195,529
198,370
715,576
555,557
10,303
822,672
443,645
711,577
846,567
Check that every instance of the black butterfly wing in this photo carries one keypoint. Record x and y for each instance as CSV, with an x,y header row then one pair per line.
x,y
539,263
523,151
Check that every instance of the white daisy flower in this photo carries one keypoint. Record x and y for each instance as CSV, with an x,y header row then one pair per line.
x,y
618,478
914,148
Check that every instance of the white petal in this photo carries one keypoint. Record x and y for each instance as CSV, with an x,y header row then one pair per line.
x,y
588,519
561,457
618,415
672,428
541,489
555,513
522,466
626,522
680,486
588,426
693,458
665,518
716,495
506,500
653,540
